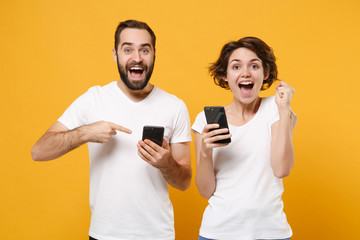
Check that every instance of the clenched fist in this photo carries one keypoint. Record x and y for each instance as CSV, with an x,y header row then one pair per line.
x,y
283,95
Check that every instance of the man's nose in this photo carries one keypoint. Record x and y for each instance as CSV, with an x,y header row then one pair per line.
x,y
137,56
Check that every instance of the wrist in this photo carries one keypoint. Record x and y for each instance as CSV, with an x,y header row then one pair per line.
x,y
284,112
169,167
81,134
206,154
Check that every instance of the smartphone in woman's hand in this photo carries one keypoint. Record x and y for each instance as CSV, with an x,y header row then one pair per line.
x,y
217,115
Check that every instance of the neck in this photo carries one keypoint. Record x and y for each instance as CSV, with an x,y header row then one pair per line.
x,y
135,95
239,113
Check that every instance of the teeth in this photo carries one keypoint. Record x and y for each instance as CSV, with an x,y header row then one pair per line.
x,y
246,83
136,69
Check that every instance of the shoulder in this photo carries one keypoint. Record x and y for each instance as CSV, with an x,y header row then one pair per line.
x,y
268,101
99,92
168,98
163,93
200,116
110,87
269,104
199,123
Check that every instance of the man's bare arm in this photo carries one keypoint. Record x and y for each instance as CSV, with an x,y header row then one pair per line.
x,y
58,139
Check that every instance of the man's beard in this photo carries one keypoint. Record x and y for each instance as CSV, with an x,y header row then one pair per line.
x,y
135,85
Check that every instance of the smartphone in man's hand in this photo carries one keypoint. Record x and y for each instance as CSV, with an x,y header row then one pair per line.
x,y
217,115
154,133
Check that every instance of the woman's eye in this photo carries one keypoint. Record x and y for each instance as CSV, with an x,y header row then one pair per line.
x,y
236,67
254,66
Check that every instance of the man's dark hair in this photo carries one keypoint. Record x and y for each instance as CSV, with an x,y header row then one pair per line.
x,y
133,24
218,70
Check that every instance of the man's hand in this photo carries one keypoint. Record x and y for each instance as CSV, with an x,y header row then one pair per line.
x,y
101,132
153,154
174,164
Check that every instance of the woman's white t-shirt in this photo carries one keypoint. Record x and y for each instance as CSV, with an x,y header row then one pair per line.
x,y
247,201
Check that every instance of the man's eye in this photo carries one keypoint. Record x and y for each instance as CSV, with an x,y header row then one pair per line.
x,y
127,50
145,51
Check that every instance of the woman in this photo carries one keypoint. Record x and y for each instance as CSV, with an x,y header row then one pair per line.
x,y
243,179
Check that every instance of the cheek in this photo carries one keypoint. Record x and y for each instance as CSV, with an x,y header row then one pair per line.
x,y
259,76
230,77
124,61
233,86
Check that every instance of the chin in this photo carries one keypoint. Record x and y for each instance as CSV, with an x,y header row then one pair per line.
x,y
247,100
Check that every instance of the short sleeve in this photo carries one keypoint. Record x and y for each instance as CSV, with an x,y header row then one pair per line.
x,y
77,113
182,126
274,112
199,123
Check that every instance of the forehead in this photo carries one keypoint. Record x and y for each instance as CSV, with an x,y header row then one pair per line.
x,y
243,54
135,36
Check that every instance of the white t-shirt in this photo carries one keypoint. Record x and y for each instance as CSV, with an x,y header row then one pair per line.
x,y
129,198
247,201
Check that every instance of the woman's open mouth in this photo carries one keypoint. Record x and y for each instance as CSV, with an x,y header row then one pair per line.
x,y
246,87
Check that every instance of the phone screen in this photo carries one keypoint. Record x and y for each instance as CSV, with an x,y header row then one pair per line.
x,y
154,133
217,115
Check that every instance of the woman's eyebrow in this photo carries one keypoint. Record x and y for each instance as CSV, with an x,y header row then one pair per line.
x,y
252,60
255,59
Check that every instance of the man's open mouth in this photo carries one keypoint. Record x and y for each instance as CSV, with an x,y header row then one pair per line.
x,y
136,71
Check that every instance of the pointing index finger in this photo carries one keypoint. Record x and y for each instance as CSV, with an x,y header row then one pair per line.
x,y
120,128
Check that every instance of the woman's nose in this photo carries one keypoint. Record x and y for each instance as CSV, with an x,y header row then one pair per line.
x,y
245,72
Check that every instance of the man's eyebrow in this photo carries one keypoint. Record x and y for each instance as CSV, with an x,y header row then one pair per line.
x,y
126,43
142,45
252,60
146,45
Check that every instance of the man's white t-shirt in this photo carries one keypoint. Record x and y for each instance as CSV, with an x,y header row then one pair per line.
x,y
129,198
247,202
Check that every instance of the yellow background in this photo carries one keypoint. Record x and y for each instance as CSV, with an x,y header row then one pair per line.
x,y
53,51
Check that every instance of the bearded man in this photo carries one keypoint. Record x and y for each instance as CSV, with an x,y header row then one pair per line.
x,y
129,177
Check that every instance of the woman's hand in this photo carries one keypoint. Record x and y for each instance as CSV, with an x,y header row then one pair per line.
x,y
209,137
283,95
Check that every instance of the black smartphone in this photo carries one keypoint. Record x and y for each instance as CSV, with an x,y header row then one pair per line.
x,y
154,133
217,115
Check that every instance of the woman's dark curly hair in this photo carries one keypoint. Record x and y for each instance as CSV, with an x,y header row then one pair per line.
x,y
218,70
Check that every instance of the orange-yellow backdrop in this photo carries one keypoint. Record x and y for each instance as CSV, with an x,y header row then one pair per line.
x,y
53,51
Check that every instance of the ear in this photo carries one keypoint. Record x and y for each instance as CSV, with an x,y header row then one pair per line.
x,y
266,76
114,55
266,73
